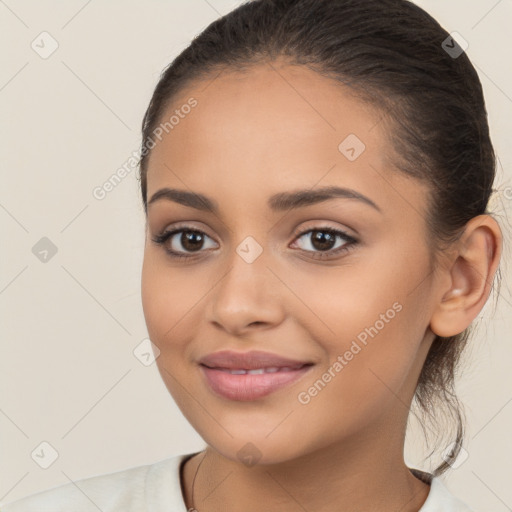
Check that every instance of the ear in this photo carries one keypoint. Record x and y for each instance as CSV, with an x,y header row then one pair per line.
x,y
468,277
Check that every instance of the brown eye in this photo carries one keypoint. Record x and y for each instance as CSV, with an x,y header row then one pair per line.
x,y
191,240
322,240
325,241
183,242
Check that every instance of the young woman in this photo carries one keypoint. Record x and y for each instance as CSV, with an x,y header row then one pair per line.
x,y
315,175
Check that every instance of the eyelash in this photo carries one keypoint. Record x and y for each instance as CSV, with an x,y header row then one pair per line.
x,y
162,238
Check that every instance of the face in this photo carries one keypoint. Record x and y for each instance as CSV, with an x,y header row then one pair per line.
x,y
341,281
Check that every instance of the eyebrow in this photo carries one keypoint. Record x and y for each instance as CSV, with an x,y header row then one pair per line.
x,y
278,202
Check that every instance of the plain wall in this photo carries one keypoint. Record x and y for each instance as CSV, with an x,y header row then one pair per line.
x,y
68,375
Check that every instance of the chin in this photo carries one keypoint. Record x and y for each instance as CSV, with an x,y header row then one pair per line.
x,y
257,452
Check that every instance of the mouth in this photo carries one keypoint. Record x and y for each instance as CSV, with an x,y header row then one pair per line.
x,y
246,384
258,371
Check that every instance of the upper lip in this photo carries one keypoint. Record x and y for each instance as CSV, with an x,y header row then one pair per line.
x,y
249,360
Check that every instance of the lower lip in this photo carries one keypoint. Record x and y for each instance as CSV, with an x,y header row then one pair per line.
x,y
247,387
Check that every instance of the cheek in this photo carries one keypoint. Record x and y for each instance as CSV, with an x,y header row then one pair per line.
x,y
367,375
171,297
168,299
173,300
369,318
379,296
154,295
360,301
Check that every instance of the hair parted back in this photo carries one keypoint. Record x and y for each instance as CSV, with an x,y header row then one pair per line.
x,y
390,54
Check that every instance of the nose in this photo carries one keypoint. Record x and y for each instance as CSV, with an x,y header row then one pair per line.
x,y
248,296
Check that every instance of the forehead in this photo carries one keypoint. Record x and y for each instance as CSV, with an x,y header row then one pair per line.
x,y
271,128
269,105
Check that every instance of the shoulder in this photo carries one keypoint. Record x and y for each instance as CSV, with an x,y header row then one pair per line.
x,y
440,498
120,491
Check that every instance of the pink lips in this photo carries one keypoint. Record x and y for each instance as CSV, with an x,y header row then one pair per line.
x,y
251,375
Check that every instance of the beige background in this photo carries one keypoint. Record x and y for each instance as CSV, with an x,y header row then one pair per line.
x,y
68,375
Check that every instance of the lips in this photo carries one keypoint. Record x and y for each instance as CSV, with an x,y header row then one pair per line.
x,y
259,371
253,360
250,375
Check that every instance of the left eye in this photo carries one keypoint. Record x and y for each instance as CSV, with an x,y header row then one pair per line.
x,y
324,240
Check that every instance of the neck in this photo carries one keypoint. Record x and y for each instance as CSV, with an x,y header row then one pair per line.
x,y
360,474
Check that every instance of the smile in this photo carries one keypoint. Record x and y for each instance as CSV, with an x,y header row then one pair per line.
x,y
245,385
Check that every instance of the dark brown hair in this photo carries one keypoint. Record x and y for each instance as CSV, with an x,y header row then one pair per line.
x,y
393,55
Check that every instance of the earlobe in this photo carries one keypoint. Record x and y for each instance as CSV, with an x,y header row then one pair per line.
x,y
469,277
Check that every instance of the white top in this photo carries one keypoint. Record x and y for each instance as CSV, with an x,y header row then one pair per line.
x,y
157,488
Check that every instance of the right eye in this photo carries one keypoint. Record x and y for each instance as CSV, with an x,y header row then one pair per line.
x,y
191,240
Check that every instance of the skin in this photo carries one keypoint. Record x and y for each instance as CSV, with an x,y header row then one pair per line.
x,y
275,129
